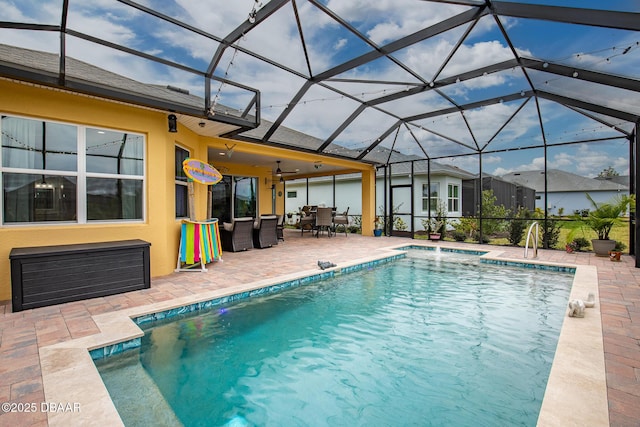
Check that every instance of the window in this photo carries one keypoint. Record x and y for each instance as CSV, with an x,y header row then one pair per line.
x,y
182,193
61,172
234,197
452,198
430,195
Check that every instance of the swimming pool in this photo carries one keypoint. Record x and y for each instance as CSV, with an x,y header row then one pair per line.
x,y
424,340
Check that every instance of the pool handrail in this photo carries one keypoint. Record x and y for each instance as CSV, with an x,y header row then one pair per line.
x,y
534,242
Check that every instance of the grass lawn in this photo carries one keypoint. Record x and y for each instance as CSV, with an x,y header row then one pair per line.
x,y
569,231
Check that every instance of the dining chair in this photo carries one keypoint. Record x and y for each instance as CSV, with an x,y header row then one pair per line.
x,y
324,221
341,220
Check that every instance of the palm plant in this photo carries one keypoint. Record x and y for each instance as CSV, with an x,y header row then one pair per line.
x,y
604,216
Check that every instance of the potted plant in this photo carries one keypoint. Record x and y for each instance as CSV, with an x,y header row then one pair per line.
x,y
438,225
435,228
377,226
602,218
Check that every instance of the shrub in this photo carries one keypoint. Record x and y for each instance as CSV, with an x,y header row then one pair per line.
x,y
579,244
620,246
466,225
458,236
491,214
517,226
485,238
551,233
399,224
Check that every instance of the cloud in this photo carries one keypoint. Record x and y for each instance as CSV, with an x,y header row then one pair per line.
x,y
471,57
586,159
339,44
387,20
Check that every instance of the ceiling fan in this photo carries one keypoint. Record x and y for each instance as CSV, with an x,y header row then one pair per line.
x,y
280,172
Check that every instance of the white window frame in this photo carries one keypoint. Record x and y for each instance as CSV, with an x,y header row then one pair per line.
x,y
81,175
453,201
182,183
432,206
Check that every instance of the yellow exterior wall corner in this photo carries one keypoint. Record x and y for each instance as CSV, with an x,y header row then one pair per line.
x,y
160,228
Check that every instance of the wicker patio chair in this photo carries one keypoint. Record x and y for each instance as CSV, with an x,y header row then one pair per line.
x,y
265,232
280,228
341,220
237,236
324,221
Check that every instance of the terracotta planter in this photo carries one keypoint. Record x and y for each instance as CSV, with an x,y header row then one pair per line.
x,y
602,247
615,255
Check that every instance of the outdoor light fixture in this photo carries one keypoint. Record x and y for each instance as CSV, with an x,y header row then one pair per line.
x,y
173,123
230,150
254,11
575,74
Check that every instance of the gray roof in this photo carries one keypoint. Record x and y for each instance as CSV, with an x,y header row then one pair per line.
x,y
421,168
82,72
560,181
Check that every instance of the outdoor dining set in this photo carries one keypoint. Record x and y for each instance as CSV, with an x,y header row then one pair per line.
x,y
319,219
265,231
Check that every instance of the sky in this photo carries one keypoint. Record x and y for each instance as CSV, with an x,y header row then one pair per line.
x,y
323,109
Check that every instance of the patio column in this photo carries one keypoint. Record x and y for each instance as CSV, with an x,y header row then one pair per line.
x,y
368,201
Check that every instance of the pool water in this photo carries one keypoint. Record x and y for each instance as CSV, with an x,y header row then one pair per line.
x,y
426,340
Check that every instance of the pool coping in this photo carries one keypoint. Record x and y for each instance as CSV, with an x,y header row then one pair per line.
x,y
576,392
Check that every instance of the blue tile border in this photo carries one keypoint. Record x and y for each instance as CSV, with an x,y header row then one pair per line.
x,y
433,248
522,264
509,263
110,350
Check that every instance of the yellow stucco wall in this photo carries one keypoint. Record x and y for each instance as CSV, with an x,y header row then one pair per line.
x,y
160,226
34,102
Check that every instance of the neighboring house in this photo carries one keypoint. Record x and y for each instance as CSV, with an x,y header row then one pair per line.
x,y
508,194
566,191
444,188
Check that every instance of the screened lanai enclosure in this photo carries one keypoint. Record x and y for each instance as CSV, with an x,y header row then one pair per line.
x,y
480,111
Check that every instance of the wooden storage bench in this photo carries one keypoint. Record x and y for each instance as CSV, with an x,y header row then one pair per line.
x,y
48,275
